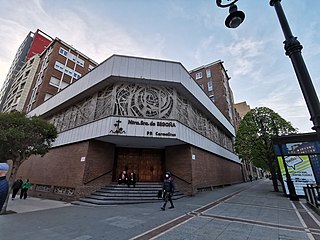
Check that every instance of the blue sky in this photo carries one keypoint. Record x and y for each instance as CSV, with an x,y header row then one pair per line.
x,y
188,31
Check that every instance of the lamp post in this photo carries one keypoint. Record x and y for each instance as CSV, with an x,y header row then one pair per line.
x,y
293,49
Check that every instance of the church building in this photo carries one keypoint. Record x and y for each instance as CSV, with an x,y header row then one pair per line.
x,y
136,114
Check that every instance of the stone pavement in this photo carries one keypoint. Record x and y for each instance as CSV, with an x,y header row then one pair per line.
x,y
253,214
243,211
33,204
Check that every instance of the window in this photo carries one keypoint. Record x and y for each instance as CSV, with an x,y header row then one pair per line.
x,y
63,52
208,72
90,67
198,75
80,62
202,86
54,81
59,66
210,87
211,98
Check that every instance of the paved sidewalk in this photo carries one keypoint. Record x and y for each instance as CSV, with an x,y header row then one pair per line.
x,y
33,204
249,211
253,214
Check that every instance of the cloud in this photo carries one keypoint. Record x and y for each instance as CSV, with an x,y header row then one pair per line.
x,y
289,103
245,54
88,33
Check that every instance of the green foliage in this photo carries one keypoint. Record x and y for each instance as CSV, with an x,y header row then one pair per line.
x,y
22,136
253,140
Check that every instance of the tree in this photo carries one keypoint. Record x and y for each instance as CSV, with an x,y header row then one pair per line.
x,y
253,139
22,136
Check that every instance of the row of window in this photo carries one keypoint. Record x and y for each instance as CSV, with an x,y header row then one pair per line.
x,y
62,68
71,56
199,74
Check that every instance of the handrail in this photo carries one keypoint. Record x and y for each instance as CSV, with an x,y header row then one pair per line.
x,y
312,194
181,178
98,177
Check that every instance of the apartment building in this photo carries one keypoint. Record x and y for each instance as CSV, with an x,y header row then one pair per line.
x,y
60,65
34,43
214,81
21,86
242,108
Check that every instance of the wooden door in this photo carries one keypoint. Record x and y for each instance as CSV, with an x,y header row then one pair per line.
x,y
146,163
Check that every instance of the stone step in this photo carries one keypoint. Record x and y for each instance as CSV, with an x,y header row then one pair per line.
x,y
128,197
121,194
104,189
114,194
138,186
93,202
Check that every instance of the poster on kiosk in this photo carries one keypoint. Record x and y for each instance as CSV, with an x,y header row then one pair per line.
x,y
300,170
300,154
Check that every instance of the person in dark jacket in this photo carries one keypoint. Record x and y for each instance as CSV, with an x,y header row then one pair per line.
x,y
132,179
16,187
4,185
168,190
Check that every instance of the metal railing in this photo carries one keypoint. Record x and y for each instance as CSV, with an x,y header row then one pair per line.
x,y
91,180
181,179
312,193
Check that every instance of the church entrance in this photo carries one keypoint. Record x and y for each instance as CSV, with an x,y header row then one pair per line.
x,y
148,164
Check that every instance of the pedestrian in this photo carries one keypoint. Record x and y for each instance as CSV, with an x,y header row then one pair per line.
x,y
4,185
16,187
168,190
250,177
24,189
132,179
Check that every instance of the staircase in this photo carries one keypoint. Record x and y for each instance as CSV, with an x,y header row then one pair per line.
x,y
114,194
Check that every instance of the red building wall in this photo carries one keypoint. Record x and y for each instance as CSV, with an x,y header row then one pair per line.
x,y
39,44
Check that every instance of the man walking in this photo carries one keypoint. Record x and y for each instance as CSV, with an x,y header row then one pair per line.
x,y
4,185
168,190
16,187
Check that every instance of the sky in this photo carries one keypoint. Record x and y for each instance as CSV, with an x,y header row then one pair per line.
x,y
191,32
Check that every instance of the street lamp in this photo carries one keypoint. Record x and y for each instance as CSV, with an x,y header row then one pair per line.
x,y
293,49
235,17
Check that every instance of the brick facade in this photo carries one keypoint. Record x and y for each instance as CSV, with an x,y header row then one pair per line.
x,y
42,87
64,168
178,162
221,93
205,171
73,171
